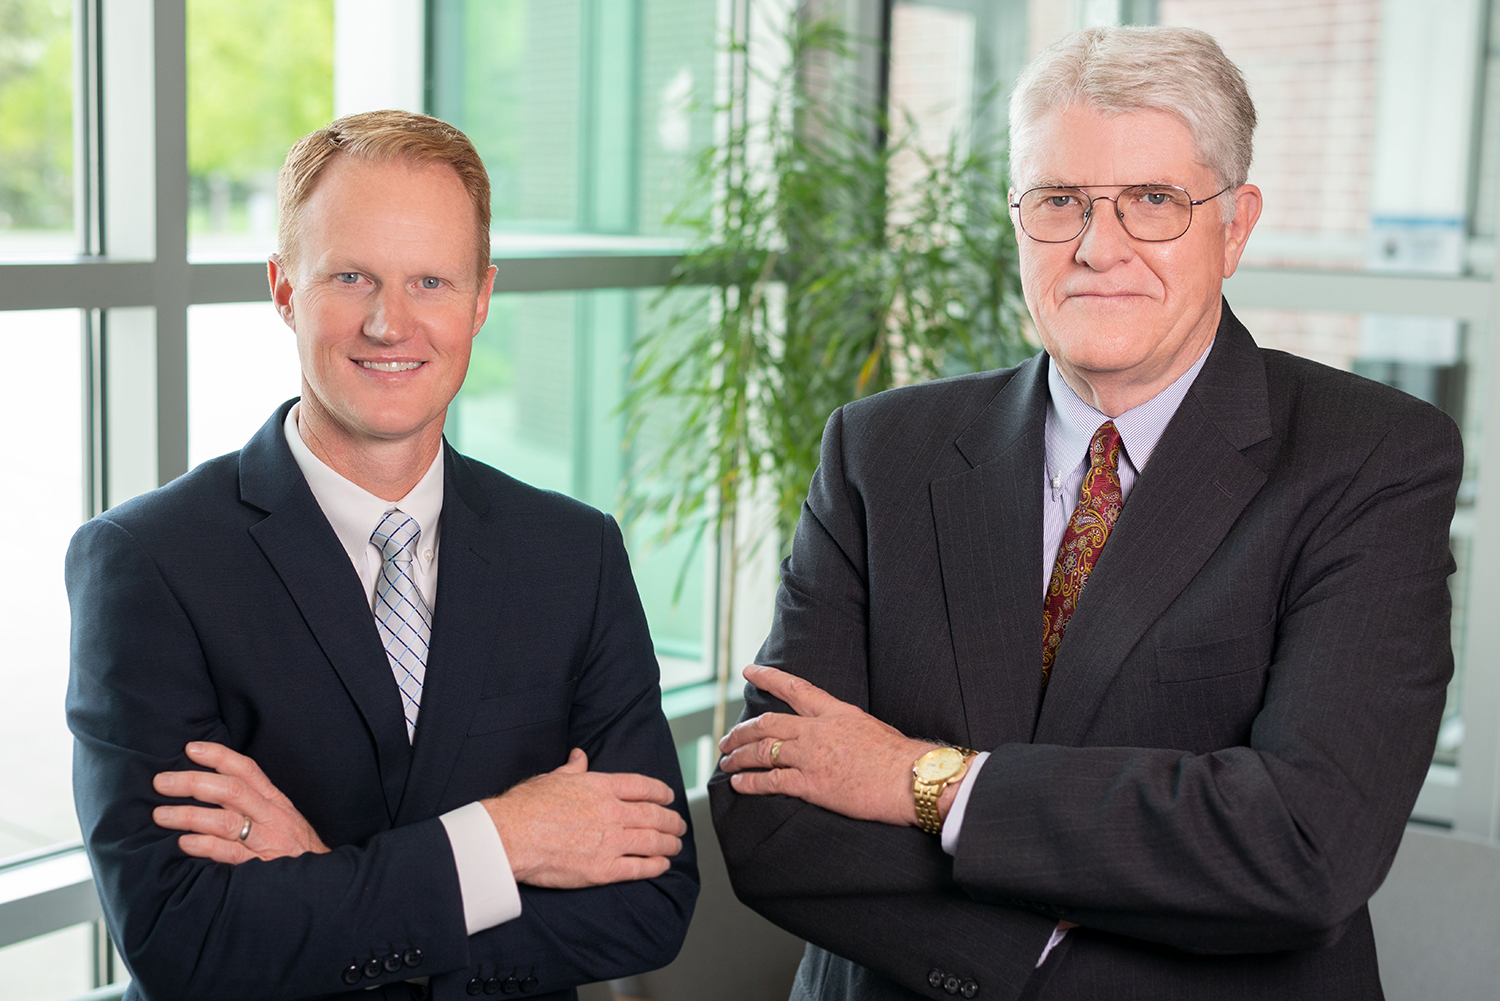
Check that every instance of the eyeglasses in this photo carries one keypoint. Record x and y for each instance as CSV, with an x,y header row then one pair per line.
x,y
1152,213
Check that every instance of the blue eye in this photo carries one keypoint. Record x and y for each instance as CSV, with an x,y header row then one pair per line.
x,y
348,277
431,283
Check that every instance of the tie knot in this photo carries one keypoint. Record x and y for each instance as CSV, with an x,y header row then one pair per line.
x,y
1104,448
396,536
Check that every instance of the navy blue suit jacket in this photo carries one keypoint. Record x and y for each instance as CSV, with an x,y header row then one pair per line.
x,y
222,607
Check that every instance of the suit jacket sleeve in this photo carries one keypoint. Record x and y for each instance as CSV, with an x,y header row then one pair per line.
x,y
882,896
141,687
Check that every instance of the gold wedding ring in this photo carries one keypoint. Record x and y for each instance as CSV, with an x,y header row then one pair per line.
x,y
775,750
245,830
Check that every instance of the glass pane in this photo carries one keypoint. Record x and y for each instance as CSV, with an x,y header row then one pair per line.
x,y
36,129
1435,359
53,967
586,114
541,402
1487,195
1375,170
260,75
36,750
242,363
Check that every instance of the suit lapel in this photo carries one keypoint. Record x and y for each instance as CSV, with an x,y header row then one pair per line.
x,y
1181,508
306,554
988,521
468,620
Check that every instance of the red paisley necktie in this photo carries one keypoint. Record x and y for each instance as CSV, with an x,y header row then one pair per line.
x,y
1098,509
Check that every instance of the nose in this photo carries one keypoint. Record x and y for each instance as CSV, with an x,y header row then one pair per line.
x,y
1104,242
390,319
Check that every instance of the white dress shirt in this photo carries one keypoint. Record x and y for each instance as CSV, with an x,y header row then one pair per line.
x,y
1071,424
485,882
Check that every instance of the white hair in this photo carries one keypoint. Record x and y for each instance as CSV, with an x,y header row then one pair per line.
x,y
1179,71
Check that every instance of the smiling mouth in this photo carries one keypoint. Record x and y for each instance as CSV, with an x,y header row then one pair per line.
x,y
390,366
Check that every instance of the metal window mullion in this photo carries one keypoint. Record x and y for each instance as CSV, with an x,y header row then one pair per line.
x,y
173,279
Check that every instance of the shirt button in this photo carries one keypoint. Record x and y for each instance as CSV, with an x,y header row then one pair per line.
x,y
427,554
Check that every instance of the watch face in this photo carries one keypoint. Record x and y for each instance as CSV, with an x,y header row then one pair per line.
x,y
939,764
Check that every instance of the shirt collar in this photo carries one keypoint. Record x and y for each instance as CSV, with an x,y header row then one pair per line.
x,y
354,512
1072,422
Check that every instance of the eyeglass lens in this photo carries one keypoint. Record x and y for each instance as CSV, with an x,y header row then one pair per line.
x,y
1147,211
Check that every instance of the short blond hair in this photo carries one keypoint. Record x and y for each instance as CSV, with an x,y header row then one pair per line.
x,y
1179,71
379,137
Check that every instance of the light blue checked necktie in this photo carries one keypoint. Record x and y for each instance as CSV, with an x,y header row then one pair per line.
x,y
401,614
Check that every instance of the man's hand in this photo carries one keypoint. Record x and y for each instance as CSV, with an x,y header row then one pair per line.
x,y
572,827
277,829
832,754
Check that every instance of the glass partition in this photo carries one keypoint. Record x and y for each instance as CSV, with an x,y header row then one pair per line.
x,y
542,402
36,129
260,75
45,504
587,112
242,363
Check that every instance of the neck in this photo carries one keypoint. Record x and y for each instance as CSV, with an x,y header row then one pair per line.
x,y
387,469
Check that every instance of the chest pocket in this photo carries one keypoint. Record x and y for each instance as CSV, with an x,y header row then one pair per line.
x,y
522,707
1216,658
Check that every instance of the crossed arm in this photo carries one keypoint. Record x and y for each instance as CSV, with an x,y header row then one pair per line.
x,y
565,829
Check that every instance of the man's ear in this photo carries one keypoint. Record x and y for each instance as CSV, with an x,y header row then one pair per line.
x,y
1247,206
280,280
482,307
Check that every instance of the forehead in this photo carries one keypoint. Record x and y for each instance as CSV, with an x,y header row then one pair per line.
x,y
376,205
1080,144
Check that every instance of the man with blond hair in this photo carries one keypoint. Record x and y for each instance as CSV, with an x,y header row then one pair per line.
x,y
1115,674
309,762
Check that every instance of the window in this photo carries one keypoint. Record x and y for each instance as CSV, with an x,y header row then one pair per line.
x,y
36,129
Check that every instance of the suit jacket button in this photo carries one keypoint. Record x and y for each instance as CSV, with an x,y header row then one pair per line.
x,y
474,987
412,957
372,968
935,977
392,963
492,985
511,984
969,989
950,984
351,974
528,985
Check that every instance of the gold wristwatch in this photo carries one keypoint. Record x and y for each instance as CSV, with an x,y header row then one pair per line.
x,y
935,771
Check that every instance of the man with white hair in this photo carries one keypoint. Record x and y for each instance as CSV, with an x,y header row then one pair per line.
x,y
1180,766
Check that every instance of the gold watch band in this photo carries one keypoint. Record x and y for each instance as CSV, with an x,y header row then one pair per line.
x,y
927,794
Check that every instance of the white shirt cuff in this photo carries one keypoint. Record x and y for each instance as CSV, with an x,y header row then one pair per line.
x,y
1057,936
955,819
485,881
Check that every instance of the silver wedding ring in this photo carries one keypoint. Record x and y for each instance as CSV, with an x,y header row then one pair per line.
x,y
245,830
775,750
